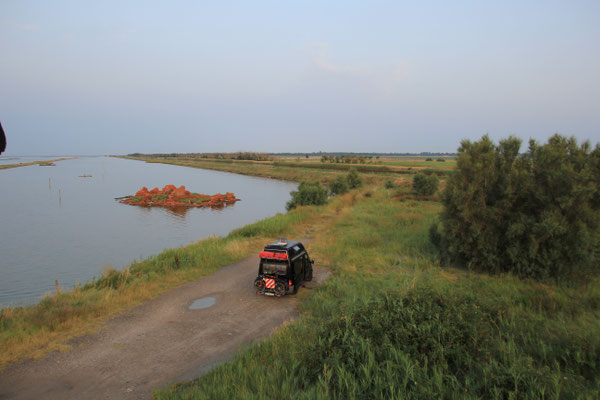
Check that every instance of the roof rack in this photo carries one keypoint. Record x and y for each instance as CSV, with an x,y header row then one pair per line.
x,y
282,240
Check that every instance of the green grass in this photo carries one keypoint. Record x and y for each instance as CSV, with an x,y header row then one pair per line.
x,y
334,166
421,163
391,323
287,171
136,198
198,200
276,226
159,198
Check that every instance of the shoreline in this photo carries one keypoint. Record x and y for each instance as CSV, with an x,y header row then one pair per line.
x,y
40,163
31,331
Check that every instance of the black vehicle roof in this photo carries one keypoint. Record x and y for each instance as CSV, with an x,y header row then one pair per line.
x,y
291,246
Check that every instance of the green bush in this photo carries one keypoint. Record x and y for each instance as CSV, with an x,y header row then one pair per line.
x,y
535,214
425,185
160,198
354,179
389,184
338,186
308,193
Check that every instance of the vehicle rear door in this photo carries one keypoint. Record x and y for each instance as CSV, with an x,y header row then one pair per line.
x,y
298,268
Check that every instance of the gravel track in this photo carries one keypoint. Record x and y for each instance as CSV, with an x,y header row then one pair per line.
x,y
159,342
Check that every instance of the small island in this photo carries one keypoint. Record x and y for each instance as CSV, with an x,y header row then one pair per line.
x,y
171,196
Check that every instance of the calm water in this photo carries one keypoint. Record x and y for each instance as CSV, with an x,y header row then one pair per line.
x,y
71,238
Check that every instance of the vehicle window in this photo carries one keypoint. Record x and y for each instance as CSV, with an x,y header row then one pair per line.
x,y
274,268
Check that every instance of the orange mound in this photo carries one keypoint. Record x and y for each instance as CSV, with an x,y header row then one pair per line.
x,y
171,196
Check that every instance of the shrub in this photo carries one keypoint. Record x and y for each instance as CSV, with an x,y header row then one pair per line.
x,y
535,214
425,185
308,193
338,186
354,179
389,184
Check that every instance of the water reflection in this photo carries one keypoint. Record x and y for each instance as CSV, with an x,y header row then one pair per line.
x,y
182,211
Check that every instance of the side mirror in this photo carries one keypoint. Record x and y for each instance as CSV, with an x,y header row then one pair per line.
x,y
312,261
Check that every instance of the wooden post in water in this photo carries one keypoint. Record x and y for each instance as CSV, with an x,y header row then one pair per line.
x,y
59,197
49,187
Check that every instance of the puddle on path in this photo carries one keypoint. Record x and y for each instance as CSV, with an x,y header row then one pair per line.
x,y
203,302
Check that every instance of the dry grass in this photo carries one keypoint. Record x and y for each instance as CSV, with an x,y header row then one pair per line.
x,y
46,162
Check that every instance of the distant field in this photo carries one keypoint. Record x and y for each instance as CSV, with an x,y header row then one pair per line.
x,y
393,161
40,163
302,168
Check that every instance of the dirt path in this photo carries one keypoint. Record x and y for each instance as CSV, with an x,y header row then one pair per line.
x,y
159,342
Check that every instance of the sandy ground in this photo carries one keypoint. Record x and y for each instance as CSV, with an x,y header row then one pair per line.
x,y
159,342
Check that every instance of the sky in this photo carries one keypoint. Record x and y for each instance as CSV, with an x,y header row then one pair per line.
x,y
118,77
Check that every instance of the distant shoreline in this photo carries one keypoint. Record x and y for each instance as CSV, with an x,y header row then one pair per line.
x,y
41,163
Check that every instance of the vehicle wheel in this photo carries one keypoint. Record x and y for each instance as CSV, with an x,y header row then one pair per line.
x,y
279,288
308,275
259,284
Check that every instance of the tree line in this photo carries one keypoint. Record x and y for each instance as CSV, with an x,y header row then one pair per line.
x,y
535,214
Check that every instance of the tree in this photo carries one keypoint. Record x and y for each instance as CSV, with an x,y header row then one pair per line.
x,y
338,186
354,179
308,193
425,185
535,214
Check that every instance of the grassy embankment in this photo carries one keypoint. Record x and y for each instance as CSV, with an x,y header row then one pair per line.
x,y
306,169
30,332
41,163
254,168
392,323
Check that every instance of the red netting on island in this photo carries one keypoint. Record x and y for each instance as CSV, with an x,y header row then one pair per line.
x,y
171,196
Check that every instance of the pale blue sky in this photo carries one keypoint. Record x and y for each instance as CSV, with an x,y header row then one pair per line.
x,y
117,77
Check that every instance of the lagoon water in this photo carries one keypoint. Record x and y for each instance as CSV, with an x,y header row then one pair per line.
x,y
56,225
